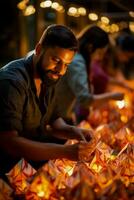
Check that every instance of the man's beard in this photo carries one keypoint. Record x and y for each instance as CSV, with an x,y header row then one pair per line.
x,y
43,74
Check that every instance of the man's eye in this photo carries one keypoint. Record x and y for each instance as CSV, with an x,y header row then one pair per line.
x,y
55,60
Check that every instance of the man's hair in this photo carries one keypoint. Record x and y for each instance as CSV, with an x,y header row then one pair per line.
x,y
59,35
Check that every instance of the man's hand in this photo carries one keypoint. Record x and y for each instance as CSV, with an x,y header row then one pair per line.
x,y
86,150
81,151
83,134
61,129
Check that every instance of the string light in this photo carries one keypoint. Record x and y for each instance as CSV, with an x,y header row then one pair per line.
x,y
55,5
46,4
131,26
105,20
93,16
131,13
82,11
29,10
114,28
72,11
60,9
75,12
22,5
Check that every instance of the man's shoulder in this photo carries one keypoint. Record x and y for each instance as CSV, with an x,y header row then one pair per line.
x,y
16,70
77,61
78,57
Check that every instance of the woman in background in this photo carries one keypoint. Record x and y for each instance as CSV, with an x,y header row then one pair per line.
x,y
74,87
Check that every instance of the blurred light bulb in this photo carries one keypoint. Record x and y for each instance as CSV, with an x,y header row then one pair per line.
x,y
29,10
46,4
105,20
82,11
93,16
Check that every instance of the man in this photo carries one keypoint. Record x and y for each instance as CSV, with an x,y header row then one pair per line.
x,y
26,107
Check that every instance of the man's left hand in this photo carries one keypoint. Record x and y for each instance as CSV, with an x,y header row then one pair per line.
x,y
83,134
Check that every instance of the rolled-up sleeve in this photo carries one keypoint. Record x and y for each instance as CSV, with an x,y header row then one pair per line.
x,y
11,105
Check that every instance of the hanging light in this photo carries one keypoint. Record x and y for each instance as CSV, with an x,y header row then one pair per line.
x,y
105,20
55,5
72,11
131,13
22,5
46,4
131,26
60,9
93,16
82,11
29,10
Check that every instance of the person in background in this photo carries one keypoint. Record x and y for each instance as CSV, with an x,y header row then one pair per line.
x,y
123,54
27,89
103,70
74,87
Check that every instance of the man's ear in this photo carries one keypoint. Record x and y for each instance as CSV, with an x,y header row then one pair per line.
x,y
38,49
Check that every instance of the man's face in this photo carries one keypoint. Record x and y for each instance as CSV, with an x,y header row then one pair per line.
x,y
53,62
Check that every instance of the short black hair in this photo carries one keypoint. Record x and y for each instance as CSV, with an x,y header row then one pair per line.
x,y
59,35
125,42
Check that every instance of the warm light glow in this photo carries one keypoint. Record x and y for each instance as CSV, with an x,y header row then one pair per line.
x,y
96,167
22,5
124,118
105,20
114,28
29,10
72,11
93,16
55,5
131,13
41,194
69,170
112,157
82,11
42,187
120,104
46,4
60,9
106,28
131,26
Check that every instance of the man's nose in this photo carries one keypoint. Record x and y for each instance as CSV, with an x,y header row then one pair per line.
x,y
61,68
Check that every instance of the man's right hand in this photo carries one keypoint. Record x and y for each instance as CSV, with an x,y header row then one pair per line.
x,y
81,151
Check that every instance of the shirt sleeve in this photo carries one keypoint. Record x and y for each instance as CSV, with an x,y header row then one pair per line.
x,y
78,81
11,105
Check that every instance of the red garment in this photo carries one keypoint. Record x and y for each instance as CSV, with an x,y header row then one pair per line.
x,y
98,77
